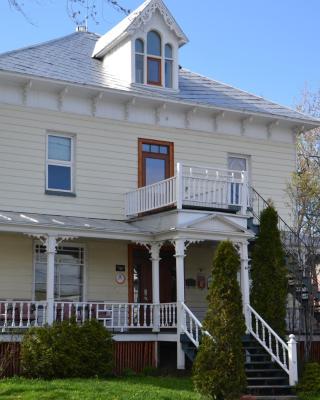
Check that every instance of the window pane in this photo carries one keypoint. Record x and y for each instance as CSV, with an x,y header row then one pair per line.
x,y
139,46
69,292
168,73
40,292
168,51
237,163
154,71
59,177
154,43
154,148
41,272
59,148
146,147
139,68
163,150
155,170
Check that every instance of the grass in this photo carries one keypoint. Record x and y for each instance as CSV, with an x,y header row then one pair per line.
x,y
306,396
133,388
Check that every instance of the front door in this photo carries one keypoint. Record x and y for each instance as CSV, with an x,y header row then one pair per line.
x,y
141,275
155,161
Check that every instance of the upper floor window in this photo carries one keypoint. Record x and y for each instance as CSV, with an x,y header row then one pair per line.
x,y
154,61
139,60
155,161
154,64
168,65
59,176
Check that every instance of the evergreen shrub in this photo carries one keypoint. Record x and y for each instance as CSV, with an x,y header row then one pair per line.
x,y
67,350
310,381
218,371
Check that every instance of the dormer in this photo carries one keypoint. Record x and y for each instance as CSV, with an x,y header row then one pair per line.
x,y
143,49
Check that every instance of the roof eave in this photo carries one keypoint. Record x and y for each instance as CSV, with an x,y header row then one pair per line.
x,y
306,123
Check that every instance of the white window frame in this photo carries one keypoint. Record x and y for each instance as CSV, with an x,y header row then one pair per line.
x,y
245,157
85,263
70,163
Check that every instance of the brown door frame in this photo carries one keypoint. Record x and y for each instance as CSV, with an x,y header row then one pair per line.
x,y
141,157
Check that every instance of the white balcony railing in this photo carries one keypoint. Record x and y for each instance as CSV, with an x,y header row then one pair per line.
x,y
192,186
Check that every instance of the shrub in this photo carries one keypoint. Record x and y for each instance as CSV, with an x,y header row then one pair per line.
x,y
218,370
67,350
269,273
310,381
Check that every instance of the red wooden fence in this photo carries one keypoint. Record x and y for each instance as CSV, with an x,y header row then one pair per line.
x,y
127,355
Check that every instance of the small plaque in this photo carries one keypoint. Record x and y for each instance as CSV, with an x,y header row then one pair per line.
x,y
120,268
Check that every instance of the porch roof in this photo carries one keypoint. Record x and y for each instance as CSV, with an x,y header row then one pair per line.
x,y
25,222
163,226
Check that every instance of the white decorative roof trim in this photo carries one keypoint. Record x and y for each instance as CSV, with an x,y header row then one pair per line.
x,y
146,14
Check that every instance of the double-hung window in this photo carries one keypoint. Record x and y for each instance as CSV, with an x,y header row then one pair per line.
x,y
68,273
60,161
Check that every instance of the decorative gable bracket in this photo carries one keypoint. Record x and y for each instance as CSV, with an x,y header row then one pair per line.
x,y
146,14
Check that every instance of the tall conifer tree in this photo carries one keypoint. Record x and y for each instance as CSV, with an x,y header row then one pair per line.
x,y
269,273
218,371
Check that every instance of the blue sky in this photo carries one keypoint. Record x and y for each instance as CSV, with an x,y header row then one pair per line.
x,y
268,47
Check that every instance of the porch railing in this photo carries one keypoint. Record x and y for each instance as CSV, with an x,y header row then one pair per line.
x,y
192,186
22,314
117,316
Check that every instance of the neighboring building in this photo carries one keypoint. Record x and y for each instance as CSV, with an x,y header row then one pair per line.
x,y
120,173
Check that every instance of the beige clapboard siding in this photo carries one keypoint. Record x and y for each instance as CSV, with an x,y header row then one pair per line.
x,y
17,276
16,267
198,261
106,160
103,256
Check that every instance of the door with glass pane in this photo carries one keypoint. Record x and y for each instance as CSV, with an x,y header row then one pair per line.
x,y
236,165
155,161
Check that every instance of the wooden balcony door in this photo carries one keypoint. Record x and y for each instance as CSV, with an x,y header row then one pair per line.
x,y
155,161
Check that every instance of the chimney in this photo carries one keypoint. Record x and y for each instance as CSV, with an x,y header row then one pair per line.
x,y
81,28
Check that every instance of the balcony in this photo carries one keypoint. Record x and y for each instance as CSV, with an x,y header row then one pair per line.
x,y
192,187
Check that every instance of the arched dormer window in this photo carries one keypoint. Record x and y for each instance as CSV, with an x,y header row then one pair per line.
x,y
168,66
154,58
139,60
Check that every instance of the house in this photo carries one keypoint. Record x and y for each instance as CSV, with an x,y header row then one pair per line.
x,y
120,173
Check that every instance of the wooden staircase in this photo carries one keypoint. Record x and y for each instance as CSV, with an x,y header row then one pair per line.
x,y
265,378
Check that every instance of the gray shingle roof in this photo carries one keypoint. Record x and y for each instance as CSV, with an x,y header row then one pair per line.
x,y
68,59
67,222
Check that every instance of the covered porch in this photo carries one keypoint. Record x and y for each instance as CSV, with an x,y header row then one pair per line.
x,y
147,278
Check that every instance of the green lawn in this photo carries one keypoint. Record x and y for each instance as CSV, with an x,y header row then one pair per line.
x,y
135,388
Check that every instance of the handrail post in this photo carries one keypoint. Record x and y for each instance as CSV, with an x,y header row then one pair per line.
x,y
179,186
245,192
292,360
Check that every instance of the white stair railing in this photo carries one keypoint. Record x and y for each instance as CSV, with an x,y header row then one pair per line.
x,y
191,326
281,352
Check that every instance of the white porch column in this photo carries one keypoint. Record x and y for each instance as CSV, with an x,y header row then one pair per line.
x,y
51,244
155,259
244,278
180,255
